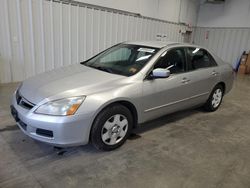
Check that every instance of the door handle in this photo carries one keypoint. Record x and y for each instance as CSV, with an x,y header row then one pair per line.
x,y
214,73
185,80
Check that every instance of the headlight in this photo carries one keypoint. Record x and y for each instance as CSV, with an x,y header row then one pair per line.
x,y
61,107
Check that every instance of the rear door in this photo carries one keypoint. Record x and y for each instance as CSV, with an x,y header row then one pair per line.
x,y
203,74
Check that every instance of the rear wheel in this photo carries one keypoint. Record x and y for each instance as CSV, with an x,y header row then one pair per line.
x,y
111,128
215,99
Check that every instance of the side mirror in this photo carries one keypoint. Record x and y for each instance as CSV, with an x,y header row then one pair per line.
x,y
160,73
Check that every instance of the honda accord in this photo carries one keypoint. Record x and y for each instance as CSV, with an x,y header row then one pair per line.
x,y
102,99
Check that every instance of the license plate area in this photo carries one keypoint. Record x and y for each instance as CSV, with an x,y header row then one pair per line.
x,y
23,125
14,113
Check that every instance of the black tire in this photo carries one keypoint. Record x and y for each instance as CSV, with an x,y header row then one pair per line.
x,y
102,118
209,104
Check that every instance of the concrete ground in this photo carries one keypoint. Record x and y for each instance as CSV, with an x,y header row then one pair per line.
x,y
186,149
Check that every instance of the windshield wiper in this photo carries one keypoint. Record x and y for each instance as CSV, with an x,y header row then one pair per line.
x,y
106,69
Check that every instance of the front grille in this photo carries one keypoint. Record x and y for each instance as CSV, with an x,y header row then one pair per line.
x,y
43,132
26,104
23,102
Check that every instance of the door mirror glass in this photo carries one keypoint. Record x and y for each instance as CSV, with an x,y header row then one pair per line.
x,y
160,73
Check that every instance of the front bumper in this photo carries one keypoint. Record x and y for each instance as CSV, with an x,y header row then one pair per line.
x,y
60,131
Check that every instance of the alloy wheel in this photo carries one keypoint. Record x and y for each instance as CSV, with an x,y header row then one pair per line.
x,y
114,129
217,97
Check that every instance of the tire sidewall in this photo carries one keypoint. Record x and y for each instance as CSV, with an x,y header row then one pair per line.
x,y
102,117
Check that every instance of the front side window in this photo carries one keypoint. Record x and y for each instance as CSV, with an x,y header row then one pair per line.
x,y
199,58
173,60
123,59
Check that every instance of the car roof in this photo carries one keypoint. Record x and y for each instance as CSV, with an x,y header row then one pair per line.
x,y
159,44
154,44
163,44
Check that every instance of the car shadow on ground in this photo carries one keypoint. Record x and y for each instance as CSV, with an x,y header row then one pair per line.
x,y
167,119
22,144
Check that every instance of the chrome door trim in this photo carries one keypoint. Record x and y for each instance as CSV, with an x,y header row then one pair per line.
x,y
165,105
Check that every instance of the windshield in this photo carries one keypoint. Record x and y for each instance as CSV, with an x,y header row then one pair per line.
x,y
123,59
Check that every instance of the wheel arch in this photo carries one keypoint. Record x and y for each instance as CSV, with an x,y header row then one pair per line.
x,y
223,86
128,104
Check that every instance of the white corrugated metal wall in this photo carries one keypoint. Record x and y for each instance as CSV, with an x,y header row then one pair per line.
x,y
40,35
227,43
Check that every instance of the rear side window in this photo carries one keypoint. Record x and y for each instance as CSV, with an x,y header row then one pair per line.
x,y
199,58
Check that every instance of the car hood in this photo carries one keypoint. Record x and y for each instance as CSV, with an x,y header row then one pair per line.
x,y
72,80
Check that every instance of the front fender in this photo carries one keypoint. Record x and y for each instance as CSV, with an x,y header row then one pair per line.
x,y
95,103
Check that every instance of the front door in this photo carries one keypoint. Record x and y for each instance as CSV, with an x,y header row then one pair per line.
x,y
165,95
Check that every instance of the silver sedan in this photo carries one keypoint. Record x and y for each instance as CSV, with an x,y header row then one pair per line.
x,y
102,99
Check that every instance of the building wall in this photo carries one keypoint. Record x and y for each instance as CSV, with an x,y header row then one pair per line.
x,y
232,13
41,35
226,43
224,28
171,10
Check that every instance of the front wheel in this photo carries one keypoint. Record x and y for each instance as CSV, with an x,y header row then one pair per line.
x,y
215,99
111,127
